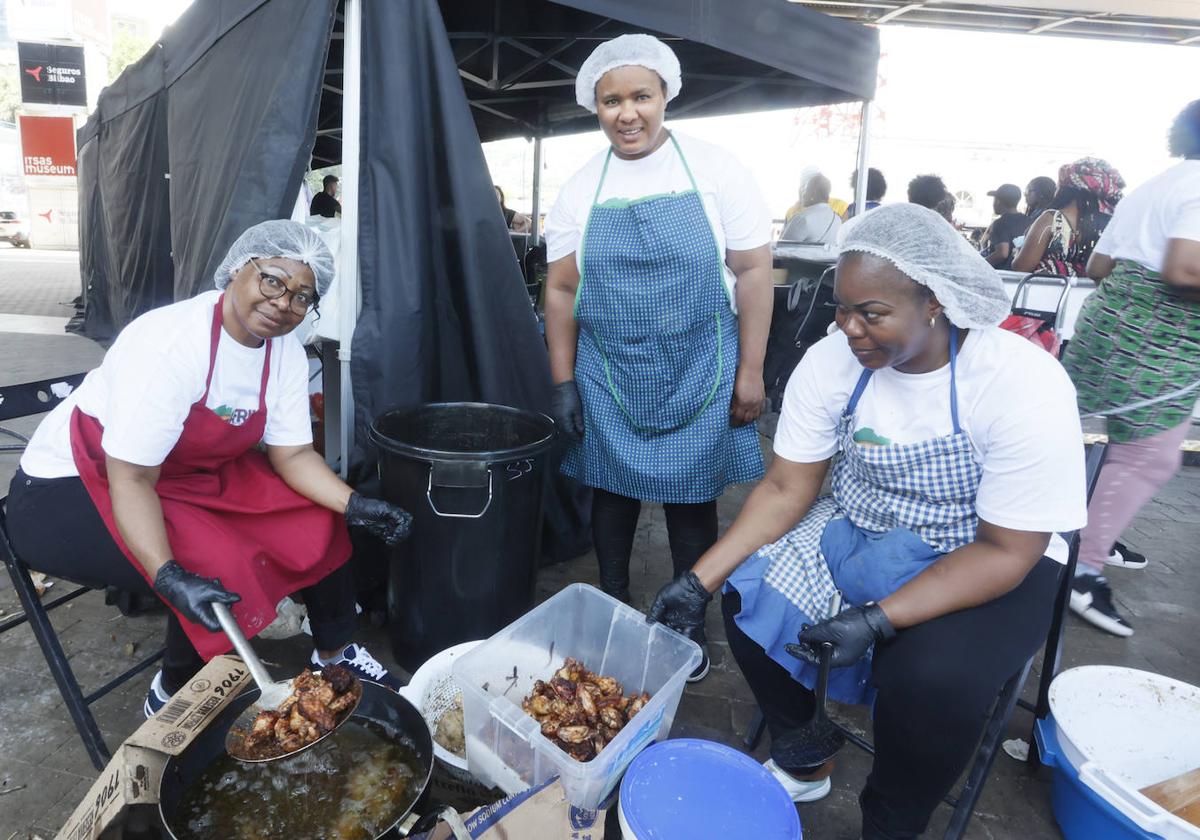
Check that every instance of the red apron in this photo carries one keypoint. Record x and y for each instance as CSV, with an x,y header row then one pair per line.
x,y
228,514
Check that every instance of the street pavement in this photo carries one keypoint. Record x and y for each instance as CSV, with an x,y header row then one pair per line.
x,y
45,772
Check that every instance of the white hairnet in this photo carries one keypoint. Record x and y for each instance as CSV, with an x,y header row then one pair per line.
x,y
931,252
624,51
278,238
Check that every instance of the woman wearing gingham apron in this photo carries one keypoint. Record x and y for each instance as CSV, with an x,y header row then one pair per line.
x,y
657,312
950,477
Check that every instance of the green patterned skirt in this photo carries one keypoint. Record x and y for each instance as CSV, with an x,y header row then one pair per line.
x,y
1135,341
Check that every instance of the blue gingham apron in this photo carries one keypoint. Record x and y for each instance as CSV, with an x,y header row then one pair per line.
x,y
657,353
893,511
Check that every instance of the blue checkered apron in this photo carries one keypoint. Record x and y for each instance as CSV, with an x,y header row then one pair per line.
x,y
926,488
657,353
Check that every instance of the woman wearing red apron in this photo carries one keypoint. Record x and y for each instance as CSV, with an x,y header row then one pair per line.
x,y
150,475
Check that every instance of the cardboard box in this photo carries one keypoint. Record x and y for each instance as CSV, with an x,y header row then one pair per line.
x,y
131,779
542,812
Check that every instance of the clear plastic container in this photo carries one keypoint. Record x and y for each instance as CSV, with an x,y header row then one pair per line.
x,y
505,746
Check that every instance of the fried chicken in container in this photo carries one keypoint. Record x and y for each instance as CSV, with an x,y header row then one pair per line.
x,y
310,711
580,711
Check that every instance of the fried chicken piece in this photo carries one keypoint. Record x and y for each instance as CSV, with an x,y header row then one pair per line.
x,y
550,726
537,705
312,706
611,717
564,688
636,705
261,730
338,677
608,686
344,701
574,734
586,703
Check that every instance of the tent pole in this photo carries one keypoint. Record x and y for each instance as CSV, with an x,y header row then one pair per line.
x,y
535,227
349,298
864,137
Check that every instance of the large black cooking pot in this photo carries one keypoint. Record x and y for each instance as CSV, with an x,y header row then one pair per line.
x,y
377,704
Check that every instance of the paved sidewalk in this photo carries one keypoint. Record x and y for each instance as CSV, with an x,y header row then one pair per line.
x,y
45,770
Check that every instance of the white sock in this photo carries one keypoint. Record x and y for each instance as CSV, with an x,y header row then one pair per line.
x,y
338,657
1081,571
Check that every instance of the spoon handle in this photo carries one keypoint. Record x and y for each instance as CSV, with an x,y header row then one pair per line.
x,y
257,671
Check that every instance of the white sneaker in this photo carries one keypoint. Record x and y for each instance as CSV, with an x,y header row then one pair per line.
x,y
799,791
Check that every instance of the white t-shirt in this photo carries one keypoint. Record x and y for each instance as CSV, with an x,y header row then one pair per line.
x,y
1015,403
1165,207
732,201
153,374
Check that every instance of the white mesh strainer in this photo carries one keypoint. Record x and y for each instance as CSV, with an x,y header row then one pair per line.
x,y
433,691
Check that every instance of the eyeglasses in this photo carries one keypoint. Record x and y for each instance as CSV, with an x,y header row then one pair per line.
x,y
272,287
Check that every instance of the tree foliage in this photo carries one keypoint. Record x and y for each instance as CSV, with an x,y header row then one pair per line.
x,y
127,48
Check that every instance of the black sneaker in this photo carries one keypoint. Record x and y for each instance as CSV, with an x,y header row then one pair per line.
x,y
1125,557
702,669
156,697
356,659
1091,600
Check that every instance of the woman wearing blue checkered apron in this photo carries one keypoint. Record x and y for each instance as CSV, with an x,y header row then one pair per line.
x,y
658,306
955,457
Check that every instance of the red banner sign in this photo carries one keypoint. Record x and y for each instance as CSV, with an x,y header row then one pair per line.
x,y
48,146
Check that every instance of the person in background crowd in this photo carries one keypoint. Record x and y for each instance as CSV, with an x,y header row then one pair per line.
x,y
950,478
998,248
806,175
1063,237
1138,341
876,189
514,221
945,208
1038,194
658,307
816,224
325,202
927,191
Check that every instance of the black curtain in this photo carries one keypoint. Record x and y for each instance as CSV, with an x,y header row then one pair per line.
x,y
445,315
241,121
96,319
134,199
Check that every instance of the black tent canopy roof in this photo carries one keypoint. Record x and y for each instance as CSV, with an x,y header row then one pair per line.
x,y
518,60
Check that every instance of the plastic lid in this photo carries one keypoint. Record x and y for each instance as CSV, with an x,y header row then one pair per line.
x,y
688,788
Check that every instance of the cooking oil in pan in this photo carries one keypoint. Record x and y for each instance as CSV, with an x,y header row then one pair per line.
x,y
352,785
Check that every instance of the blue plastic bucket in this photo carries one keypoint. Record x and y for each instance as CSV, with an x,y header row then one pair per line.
x,y
1081,813
688,788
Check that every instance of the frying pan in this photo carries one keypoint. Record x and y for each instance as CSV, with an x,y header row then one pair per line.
x,y
378,704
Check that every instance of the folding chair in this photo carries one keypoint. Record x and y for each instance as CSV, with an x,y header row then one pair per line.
x,y
1009,698
22,401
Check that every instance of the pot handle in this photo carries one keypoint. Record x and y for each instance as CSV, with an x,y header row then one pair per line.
x,y
459,475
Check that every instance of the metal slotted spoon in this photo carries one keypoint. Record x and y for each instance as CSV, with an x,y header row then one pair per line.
x,y
272,693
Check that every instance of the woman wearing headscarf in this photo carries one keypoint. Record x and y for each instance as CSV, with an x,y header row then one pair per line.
x,y
950,477
1137,350
657,311
1062,238
149,476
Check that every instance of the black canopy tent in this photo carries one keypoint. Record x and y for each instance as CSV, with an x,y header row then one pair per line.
x,y
213,129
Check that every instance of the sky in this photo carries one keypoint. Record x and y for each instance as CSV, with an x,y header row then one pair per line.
x,y
979,109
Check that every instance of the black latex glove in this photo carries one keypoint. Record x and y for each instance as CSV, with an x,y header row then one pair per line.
x,y
850,632
192,595
566,409
680,605
379,518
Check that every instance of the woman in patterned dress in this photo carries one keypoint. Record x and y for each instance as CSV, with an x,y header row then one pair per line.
x,y
950,476
1137,350
1062,238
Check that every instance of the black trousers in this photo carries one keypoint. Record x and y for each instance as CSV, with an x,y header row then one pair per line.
x,y
691,531
55,529
936,683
